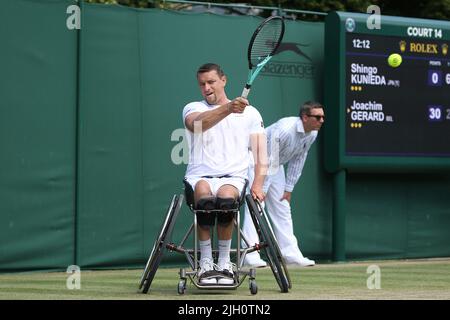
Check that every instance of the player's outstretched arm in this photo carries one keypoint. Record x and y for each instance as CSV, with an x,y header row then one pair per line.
x,y
209,119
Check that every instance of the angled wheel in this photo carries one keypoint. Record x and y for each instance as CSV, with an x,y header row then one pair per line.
x,y
270,247
276,247
162,240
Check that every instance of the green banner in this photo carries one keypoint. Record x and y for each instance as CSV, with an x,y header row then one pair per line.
x,y
38,63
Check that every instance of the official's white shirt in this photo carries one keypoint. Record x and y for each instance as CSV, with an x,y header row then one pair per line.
x,y
223,148
288,144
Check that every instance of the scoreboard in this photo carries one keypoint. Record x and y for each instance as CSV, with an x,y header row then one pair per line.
x,y
381,117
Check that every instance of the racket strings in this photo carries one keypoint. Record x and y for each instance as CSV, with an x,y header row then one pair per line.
x,y
266,41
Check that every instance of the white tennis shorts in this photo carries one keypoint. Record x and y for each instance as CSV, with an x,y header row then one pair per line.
x,y
216,183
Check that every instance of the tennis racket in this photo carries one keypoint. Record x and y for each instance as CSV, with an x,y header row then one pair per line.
x,y
263,45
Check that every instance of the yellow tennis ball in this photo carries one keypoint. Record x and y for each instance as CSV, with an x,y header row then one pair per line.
x,y
395,60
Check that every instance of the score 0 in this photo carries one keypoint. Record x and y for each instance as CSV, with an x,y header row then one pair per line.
x,y
435,78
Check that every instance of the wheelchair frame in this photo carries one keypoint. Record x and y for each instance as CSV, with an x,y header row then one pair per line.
x,y
267,244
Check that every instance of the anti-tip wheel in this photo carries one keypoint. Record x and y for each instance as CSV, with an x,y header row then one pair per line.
x,y
181,287
253,287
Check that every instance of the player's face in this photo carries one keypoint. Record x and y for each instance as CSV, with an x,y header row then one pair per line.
x,y
314,120
212,87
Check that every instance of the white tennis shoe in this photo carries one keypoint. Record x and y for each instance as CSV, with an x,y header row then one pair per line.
x,y
207,273
300,262
226,276
253,260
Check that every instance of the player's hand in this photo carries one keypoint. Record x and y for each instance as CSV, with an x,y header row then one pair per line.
x,y
257,193
237,105
287,196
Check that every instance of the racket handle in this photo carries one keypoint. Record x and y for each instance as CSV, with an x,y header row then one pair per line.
x,y
246,91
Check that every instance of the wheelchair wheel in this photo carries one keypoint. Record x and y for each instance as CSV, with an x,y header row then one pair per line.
x,y
271,249
275,242
162,240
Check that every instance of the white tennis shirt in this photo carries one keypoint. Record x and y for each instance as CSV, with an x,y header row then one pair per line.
x,y
224,148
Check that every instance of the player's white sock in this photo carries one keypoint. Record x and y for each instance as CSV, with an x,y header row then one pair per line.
x,y
205,249
224,251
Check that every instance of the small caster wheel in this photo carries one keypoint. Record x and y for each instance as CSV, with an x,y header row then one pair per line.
x,y
181,287
253,287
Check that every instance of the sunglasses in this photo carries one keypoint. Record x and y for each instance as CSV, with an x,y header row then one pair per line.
x,y
316,116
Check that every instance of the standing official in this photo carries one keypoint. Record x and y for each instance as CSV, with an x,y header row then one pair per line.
x,y
289,140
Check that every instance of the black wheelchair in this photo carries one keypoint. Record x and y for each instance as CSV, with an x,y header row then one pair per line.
x,y
268,245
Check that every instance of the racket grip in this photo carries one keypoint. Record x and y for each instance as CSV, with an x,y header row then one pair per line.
x,y
246,91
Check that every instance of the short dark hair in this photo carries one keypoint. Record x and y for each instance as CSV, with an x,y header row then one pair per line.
x,y
207,67
308,106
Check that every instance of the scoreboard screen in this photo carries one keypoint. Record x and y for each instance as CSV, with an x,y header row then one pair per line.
x,y
382,116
